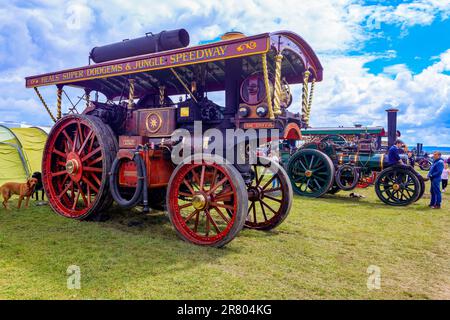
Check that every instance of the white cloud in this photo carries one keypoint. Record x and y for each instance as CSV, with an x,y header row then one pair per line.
x,y
350,94
396,69
52,35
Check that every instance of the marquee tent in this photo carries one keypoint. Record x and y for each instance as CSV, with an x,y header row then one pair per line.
x,y
21,152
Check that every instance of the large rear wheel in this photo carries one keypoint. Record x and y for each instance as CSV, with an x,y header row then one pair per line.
x,y
77,159
311,172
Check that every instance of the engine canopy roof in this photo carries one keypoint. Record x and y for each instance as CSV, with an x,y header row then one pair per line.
x,y
153,70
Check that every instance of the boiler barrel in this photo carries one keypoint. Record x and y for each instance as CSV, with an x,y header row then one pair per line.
x,y
374,161
166,40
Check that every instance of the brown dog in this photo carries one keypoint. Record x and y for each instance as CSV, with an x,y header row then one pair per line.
x,y
23,190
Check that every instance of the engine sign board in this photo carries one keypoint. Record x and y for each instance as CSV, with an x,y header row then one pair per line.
x,y
200,54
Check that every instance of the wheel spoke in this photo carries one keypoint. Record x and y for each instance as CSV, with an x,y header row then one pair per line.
x,y
80,133
261,177
69,185
99,159
224,196
185,206
208,216
311,163
85,142
219,184
69,140
58,173
269,182
184,194
197,218
272,198
59,153
269,207
83,196
221,214
263,211
252,206
225,206
189,217
90,154
90,184
74,145
202,177
96,179
188,185
75,202
213,179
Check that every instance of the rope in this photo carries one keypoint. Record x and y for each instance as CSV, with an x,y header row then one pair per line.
x,y
44,104
311,94
183,84
131,94
267,85
87,94
58,102
277,96
161,95
305,116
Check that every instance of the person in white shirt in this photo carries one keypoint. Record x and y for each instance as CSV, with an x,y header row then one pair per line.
x,y
444,176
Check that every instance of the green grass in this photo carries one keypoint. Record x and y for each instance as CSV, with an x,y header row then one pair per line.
x,y
322,251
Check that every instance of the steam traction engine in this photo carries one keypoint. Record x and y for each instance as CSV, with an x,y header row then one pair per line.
x,y
120,147
330,163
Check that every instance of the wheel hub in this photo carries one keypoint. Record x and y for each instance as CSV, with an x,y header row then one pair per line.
x,y
396,187
308,173
254,193
74,167
199,201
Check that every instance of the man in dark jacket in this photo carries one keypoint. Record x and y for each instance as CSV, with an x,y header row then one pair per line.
x,y
434,175
394,153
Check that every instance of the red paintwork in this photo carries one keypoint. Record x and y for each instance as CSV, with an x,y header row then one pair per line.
x,y
292,132
179,221
367,182
286,40
154,162
57,182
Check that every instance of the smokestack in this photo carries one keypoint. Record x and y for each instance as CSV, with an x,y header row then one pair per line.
x,y
419,148
392,126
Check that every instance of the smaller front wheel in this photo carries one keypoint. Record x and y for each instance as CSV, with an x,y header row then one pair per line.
x,y
207,201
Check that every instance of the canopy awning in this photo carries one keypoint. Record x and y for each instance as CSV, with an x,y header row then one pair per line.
x,y
153,70
379,131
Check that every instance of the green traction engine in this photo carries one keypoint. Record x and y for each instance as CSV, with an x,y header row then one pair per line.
x,y
332,164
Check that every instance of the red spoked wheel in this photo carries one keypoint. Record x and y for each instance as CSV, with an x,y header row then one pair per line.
x,y
269,194
77,159
207,202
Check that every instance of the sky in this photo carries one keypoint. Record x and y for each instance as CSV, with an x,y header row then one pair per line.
x,y
375,54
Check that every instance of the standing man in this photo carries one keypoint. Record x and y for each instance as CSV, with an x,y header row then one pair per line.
x,y
434,175
394,153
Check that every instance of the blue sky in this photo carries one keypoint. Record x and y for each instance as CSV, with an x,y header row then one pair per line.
x,y
376,54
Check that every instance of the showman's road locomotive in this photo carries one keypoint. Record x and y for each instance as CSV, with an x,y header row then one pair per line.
x,y
120,148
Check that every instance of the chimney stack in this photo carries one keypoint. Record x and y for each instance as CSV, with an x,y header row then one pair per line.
x,y
392,126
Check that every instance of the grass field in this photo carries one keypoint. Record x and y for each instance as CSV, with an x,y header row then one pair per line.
x,y
323,251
